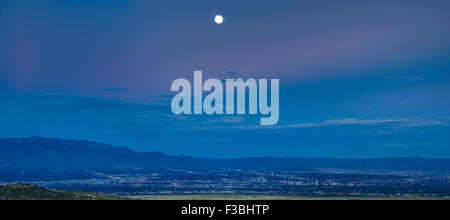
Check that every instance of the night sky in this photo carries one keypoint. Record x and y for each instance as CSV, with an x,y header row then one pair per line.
x,y
358,79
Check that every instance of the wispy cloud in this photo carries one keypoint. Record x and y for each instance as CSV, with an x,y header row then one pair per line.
x,y
226,120
232,73
409,78
392,123
114,90
164,95
62,102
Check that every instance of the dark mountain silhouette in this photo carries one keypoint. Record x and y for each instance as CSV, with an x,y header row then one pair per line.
x,y
38,153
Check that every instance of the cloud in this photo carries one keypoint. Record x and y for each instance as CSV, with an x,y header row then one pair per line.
x,y
55,102
395,145
353,121
114,90
165,96
226,120
409,78
232,73
408,122
390,123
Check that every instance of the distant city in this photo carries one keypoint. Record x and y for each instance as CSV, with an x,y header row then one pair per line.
x,y
99,168
323,183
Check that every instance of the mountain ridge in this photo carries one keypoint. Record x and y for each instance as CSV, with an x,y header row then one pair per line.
x,y
23,191
39,153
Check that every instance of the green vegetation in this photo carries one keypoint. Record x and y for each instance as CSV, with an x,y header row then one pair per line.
x,y
21,191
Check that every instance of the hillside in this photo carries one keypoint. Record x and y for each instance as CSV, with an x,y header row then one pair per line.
x,y
21,191
38,153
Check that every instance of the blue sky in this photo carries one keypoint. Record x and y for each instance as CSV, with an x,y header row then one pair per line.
x,y
358,79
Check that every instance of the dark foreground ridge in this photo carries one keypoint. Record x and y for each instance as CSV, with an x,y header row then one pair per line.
x,y
22,191
49,154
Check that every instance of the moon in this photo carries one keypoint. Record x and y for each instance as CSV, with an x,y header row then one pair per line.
x,y
218,19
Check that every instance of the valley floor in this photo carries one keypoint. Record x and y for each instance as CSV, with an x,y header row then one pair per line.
x,y
256,197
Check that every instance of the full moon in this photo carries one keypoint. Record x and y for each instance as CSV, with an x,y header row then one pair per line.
x,y
218,19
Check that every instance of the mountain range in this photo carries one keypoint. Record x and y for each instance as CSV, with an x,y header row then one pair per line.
x,y
37,153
